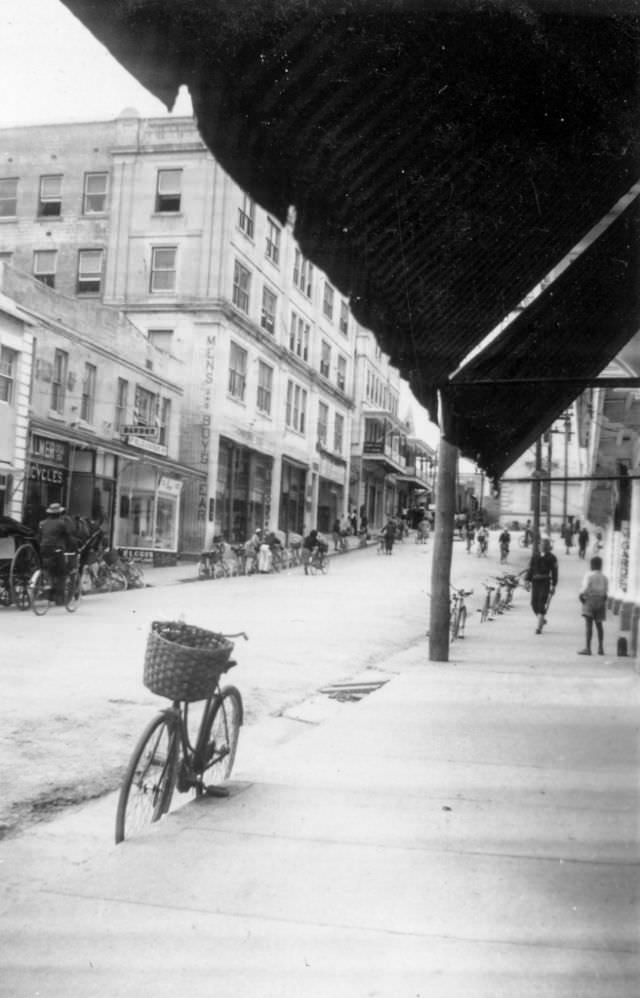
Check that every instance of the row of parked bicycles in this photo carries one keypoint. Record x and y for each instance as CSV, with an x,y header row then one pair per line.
x,y
27,584
498,599
224,560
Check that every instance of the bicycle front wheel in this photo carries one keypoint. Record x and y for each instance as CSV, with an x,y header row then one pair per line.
x,y
150,778
462,621
226,718
453,624
39,592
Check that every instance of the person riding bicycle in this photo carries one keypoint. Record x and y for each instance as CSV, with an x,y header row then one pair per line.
x,y
311,543
483,539
470,534
389,533
505,542
56,537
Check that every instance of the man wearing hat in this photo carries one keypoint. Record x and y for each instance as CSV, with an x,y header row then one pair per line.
x,y
55,537
542,578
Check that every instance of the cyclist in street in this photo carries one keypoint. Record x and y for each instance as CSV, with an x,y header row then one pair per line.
x,y
55,537
505,543
389,532
483,540
309,545
470,534
542,578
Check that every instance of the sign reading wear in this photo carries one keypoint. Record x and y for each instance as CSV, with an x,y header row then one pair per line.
x,y
170,486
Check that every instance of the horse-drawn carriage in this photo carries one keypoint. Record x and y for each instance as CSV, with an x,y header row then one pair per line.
x,y
19,559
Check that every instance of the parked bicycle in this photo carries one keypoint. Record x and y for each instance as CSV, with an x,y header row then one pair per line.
x,y
485,610
44,590
184,664
458,612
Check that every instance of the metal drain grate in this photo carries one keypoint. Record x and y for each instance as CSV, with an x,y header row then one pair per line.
x,y
351,691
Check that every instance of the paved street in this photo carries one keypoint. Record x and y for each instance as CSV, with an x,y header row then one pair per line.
x,y
72,697
470,828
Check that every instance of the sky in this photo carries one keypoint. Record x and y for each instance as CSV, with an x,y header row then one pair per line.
x,y
53,69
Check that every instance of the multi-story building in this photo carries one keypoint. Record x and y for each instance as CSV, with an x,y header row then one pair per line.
x,y
561,470
390,467
137,214
16,352
102,405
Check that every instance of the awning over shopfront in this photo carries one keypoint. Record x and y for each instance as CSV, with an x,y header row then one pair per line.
x,y
442,156
133,454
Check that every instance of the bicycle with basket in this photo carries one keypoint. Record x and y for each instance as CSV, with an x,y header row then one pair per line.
x,y
183,663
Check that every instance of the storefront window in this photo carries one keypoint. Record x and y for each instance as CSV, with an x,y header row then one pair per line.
x,y
148,511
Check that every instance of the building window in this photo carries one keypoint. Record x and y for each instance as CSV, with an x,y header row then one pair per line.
x,y
8,197
237,372
44,266
94,201
325,359
344,317
273,242
303,274
8,363
268,315
299,336
247,215
145,407
5,257
265,387
327,301
241,287
338,434
89,272
88,393
163,268
341,374
59,380
162,339
323,423
122,404
50,202
296,412
165,422
168,190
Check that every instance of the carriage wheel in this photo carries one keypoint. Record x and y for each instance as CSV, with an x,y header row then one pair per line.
x,y
25,563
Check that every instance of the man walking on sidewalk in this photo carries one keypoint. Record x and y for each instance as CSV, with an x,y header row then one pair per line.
x,y
542,576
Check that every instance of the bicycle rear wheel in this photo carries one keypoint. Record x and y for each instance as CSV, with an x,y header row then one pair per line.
x,y
39,592
226,718
150,778
118,580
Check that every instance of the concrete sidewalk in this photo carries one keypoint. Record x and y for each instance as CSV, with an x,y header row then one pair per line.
x,y
470,829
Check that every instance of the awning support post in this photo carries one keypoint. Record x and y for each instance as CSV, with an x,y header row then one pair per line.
x,y
442,552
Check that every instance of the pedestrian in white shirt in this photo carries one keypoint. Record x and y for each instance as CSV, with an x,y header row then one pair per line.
x,y
593,596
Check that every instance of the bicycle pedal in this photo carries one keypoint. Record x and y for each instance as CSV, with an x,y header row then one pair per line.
x,y
216,791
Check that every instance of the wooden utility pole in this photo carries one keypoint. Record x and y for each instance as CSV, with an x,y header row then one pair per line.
x,y
537,474
442,552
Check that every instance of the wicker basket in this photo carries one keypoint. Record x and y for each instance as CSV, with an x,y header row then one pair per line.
x,y
183,662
